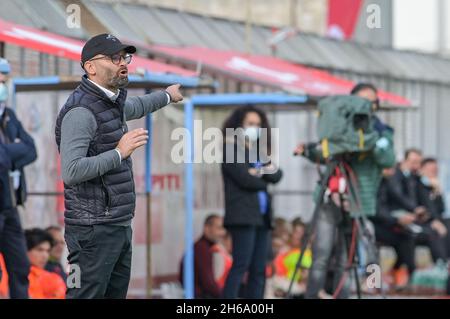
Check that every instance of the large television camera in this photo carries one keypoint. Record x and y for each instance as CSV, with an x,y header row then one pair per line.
x,y
345,125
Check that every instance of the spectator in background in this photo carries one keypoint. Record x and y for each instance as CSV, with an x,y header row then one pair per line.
x,y
429,172
281,229
408,200
279,242
222,259
43,284
3,279
390,229
407,215
206,286
286,261
248,214
278,245
403,185
402,203
435,232
19,147
298,231
54,261
5,166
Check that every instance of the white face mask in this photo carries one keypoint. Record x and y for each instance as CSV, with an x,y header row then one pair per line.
x,y
425,181
3,92
253,133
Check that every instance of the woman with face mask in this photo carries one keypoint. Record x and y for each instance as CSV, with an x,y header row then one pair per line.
x,y
247,171
4,71
3,95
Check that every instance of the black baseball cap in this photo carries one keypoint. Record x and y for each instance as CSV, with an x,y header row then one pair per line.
x,y
106,44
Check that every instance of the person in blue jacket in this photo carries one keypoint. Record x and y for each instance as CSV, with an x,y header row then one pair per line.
x,y
16,151
5,165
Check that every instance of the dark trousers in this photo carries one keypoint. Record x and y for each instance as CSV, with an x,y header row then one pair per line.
x,y
402,242
431,239
103,255
250,252
446,222
14,250
329,245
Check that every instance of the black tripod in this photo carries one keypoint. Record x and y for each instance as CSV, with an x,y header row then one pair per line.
x,y
359,223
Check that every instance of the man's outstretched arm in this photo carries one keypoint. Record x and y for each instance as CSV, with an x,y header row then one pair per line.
x,y
139,106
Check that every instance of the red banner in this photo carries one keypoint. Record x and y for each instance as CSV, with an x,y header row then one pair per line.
x,y
342,18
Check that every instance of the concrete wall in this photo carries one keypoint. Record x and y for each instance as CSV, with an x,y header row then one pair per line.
x,y
308,15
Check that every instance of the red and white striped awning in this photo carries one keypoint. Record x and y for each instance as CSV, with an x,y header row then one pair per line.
x,y
64,47
270,71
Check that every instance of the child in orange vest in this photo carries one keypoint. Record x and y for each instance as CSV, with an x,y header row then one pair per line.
x,y
43,284
3,279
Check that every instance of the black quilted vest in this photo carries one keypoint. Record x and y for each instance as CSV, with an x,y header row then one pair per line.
x,y
109,198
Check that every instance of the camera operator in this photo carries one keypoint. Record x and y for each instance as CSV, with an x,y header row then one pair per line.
x,y
367,167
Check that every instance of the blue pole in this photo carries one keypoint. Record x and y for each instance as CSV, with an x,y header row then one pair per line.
x,y
148,154
148,190
13,96
188,265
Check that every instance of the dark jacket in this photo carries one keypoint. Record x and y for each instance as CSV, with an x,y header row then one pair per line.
x,y
109,198
21,151
398,193
5,165
5,161
206,286
403,191
384,216
242,206
432,200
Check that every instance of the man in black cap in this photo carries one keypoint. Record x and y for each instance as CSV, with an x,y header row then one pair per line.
x,y
95,147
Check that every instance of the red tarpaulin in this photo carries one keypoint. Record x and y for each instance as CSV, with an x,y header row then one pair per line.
x,y
271,71
342,18
64,47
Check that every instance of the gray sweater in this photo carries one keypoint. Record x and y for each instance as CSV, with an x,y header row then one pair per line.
x,y
78,130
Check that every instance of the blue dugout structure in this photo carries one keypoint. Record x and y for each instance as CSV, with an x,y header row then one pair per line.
x,y
214,100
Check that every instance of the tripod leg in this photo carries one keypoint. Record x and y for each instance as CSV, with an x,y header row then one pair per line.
x,y
346,221
349,240
304,245
355,262
310,231
368,237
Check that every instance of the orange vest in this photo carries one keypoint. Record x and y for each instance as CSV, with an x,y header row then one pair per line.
x,y
286,261
45,284
222,268
4,280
